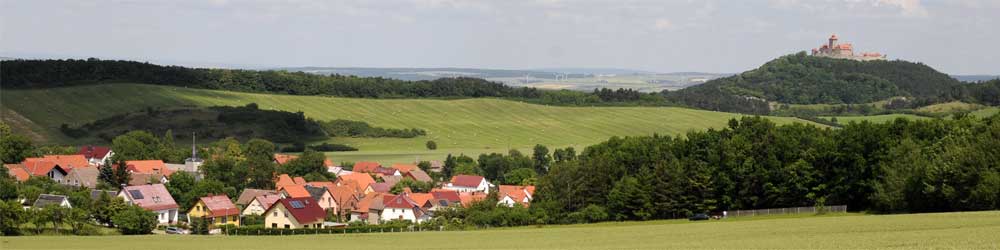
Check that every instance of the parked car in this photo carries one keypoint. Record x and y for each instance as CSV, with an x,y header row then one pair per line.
x,y
174,230
698,217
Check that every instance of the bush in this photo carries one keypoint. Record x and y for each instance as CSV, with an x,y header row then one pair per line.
x,y
135,220
432,145
329,147
589,214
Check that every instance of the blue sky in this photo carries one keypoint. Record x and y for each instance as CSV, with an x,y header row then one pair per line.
x,y
956,36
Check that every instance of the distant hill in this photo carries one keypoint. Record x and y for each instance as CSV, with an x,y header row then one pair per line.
x,y
975,78
803,79
419,74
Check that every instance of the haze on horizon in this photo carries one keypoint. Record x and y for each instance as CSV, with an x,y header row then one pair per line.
x,y
955,36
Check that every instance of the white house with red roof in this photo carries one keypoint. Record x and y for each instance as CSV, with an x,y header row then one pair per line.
x,y
42,167
153,197
402,207
96,155
468,184
292,213
511,195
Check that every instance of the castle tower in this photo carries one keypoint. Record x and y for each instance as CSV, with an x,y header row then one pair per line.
x,y
833,41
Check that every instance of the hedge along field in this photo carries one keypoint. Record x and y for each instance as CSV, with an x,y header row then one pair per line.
x,y
469,126
970,230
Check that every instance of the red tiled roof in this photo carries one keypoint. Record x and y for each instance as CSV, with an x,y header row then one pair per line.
x,y
366,203
296,191
248,194
17,171
281,159
219,205
468,198
39,167
154,197
466,180
401,201
299,180
359,181
285,180
309,213
419,175
345,196
366,166
404,167
68,162
421,198
148,167
380,187
450,195
91,151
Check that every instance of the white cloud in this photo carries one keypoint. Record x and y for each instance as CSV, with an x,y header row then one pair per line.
x,y
908,7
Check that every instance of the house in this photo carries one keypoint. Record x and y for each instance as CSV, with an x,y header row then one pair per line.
x,y
468,198
401,207
294,191
82,177
346,198
18,172
51,199
436,166
249,194
380,171
96,155
153,198
67,162
218,209
418,175
338,171
469,183
391,180
358,181
285,180
292,213
451,196
322,196
259,204
366,166
156,167
510,195
146,178
38,167
369,209
96,194
379,187
403,168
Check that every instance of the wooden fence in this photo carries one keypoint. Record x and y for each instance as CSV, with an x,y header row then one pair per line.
x,y
787,210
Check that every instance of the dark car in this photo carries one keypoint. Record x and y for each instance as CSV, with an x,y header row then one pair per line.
x,y
698,217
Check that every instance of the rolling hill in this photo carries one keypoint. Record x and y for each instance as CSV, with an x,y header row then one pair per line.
x,y
469,126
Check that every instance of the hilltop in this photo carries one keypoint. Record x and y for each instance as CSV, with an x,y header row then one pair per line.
x,y
804,79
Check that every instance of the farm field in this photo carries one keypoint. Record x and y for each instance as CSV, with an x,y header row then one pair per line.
x,y
969,230
469,126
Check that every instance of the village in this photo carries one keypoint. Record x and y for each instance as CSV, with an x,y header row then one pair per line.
x,y
361,195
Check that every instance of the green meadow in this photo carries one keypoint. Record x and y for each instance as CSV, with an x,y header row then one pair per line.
x,y
463,126
969,230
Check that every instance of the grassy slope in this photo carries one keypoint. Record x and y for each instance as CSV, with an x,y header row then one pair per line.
x,y
976,230
876,118
470,126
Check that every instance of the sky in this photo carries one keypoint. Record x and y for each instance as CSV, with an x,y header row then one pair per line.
x,y
953,36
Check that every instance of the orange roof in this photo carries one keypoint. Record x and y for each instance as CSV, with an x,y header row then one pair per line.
x,y
68,162
345,196
285,180
365,203
296,191
404,167
281,159
366,166
39,167
468,198
359,181
148,167
517,193
421,198
17,171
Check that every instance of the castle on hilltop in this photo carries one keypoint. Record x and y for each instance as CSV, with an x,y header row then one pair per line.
x,y
844,51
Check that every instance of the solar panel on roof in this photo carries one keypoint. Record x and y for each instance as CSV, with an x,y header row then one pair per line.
x,y
443,202
297,204
135,194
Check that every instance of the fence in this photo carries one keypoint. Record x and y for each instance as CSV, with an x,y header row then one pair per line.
x,y
787,210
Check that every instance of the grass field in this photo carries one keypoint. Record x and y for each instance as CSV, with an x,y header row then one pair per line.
x,y
469,126
973,230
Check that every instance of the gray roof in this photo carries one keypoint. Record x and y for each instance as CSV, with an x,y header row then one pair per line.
x,y
316,192
420,175
49,199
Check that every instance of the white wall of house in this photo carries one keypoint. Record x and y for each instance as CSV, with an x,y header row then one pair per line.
x,y
254,208
167,216
57,176
484,186
399,213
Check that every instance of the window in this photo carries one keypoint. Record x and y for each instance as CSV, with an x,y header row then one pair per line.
x,y
305,226
286,226
274,225
275,213
224,219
